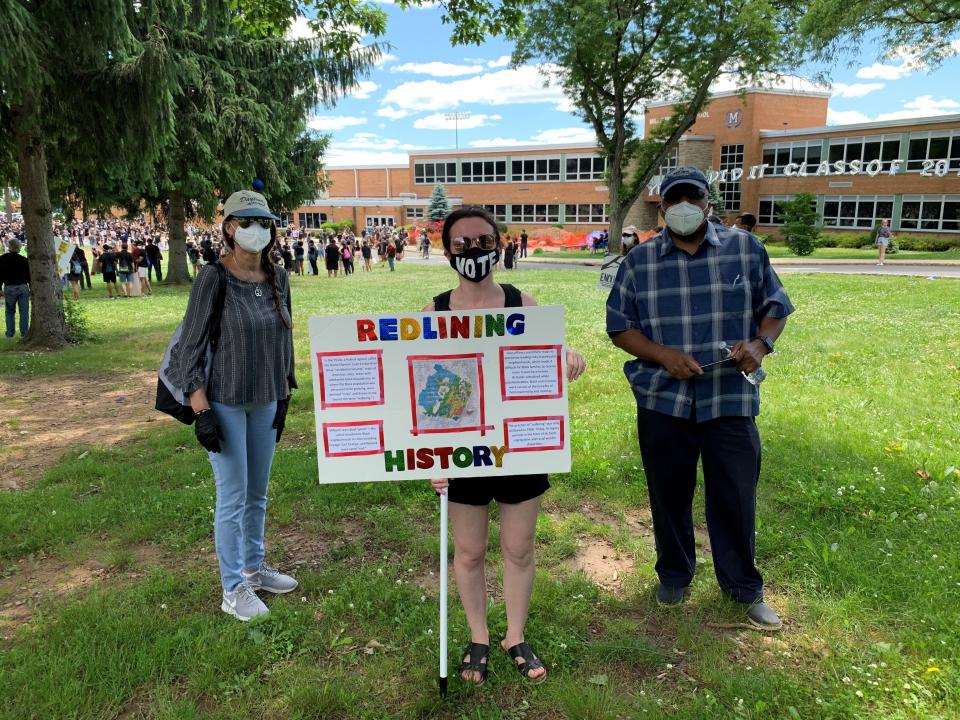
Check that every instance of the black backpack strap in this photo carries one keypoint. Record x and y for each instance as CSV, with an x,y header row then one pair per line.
x,y
511,296
442,301
218,303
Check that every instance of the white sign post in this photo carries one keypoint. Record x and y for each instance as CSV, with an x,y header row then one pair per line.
x,y
459,394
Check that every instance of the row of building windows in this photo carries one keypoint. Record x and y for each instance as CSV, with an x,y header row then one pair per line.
x,y
917,212
535,169
587,213
310,220
923,148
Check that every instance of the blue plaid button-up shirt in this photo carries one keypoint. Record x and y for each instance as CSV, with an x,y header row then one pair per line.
x,y
693,303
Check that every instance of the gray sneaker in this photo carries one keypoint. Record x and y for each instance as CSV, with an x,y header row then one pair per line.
x,y
270,579
243,603
763,617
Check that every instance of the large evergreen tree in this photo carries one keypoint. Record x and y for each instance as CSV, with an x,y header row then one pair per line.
x,y
614,55
73,76
241,93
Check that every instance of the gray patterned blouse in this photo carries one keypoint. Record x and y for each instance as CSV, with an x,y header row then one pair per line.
x,y
254,359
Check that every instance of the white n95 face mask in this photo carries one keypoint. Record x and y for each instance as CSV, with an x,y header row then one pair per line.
x,y
252,239
684,218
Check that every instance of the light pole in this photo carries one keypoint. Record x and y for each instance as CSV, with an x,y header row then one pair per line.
x,y
456,117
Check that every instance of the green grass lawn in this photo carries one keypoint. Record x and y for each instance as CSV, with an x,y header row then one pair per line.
x,y
859,515
782,251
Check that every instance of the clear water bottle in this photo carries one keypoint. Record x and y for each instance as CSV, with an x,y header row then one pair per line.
x,y
754,378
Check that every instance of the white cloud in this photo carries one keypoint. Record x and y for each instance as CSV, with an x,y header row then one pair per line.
x,y
845,117
731,81
386,58
501,61
363,90
300,29
922,106
565,135
426,5
568,135
855,90
353,158
499,142
504,87
880,71
329,123
436,69
367,148
394,113
438,121
372,142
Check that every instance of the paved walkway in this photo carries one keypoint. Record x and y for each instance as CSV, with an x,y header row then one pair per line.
x,y
923,268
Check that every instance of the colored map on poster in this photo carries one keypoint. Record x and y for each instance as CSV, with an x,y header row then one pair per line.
x,y
447,393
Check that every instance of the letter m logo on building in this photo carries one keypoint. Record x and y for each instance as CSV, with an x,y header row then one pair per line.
x,y
734,118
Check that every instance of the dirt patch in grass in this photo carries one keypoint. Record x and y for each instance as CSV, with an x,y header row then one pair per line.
x,y
602,563
40,582
41,417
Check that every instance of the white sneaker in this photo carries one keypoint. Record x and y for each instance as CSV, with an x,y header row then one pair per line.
x,y
270,579
243,603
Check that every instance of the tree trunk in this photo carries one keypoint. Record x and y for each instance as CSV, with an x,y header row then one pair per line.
x,y
617,213
8,203
47,325
177,252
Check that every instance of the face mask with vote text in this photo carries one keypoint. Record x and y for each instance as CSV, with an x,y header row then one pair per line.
x,y
475,263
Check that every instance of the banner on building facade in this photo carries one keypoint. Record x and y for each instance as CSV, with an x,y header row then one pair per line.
x,y
444,394
873,168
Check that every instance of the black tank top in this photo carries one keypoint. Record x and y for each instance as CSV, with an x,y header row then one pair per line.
x,y
511,298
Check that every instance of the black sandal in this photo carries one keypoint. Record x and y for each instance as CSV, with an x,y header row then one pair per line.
x,y
478,655
530,662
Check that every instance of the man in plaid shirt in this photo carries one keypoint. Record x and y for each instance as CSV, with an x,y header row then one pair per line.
x,y
678,301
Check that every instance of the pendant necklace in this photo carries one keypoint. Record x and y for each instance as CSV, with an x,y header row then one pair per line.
x,y
256,290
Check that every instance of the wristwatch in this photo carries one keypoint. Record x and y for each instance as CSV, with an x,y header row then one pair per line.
x,y
767,342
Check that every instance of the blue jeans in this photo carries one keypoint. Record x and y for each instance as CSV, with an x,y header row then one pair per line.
x,y
17,297
241,471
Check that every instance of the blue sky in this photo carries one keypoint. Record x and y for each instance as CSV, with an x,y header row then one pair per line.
x,y
400,107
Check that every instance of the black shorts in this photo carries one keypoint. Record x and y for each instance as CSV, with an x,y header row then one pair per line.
x,y
509,489
109,277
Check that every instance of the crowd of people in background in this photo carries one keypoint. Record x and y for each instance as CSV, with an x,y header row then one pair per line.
x,y
130,256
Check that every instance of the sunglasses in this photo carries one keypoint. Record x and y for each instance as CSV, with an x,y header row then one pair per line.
x,y
460,244
245,222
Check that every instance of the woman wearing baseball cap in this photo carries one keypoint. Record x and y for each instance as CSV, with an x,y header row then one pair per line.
x,y
241,409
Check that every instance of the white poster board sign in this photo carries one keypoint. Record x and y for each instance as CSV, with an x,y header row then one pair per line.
x,y
444,394
65,250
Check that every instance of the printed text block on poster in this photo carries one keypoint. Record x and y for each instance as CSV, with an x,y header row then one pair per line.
x,y
529,434
531,372
446,393
346,439
350,378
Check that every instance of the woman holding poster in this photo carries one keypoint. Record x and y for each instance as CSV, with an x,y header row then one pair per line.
x,y
471,244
